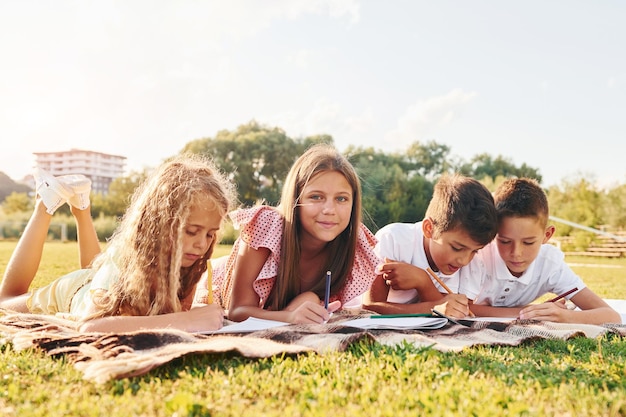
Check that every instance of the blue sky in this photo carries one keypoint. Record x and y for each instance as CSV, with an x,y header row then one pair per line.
x,y
541,83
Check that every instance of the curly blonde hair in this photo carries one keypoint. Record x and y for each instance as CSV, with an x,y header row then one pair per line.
x,y
147,246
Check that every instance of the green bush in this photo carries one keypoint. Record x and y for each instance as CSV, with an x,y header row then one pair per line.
x,y
229,234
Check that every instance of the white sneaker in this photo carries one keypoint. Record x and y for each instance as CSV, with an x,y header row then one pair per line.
x,y
52,192
80,186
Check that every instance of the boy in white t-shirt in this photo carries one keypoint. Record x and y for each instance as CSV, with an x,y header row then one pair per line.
x,y
460,219
519,265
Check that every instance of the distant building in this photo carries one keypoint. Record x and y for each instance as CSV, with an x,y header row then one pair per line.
x,y
101,168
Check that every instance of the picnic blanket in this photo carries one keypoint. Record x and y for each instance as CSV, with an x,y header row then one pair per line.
x,y
102,357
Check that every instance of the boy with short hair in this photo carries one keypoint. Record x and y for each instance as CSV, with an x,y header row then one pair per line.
x,y
519,265
460,219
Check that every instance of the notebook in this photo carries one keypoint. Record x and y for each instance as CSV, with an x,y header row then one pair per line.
x,y
398,323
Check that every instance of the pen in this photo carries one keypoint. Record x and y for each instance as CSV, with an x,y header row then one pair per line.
x,y
565,294
436,313
327,295
393,316
445,287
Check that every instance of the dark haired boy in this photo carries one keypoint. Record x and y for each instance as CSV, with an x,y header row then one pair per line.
x,y
460,220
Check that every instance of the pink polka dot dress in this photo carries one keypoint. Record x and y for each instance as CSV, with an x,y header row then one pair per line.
x,y
262,227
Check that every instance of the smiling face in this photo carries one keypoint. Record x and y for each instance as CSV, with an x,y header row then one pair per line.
x,y
450,250
200,231
519,240
325,207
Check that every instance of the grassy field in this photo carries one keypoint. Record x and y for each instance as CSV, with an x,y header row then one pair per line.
x,y
579,377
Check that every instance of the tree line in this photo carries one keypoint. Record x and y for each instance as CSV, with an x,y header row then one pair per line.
x,y
396,186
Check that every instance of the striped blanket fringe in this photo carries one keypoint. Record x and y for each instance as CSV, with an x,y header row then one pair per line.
x,y
104,356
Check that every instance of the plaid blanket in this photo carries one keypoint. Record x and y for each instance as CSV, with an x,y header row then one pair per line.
x,y
102,357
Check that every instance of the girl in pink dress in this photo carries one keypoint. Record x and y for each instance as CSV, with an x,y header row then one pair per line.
x,y
278,266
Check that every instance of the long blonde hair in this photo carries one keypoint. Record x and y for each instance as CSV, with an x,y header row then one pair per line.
x,y
316,160
147,246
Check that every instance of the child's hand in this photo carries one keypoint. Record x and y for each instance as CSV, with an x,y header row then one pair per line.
x,y
454,305
545,312
311,313
207,317
402,275
307,308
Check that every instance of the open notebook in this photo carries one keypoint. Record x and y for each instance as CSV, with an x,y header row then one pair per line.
x,y
251,324
397,323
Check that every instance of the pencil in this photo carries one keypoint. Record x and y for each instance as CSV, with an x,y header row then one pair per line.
x,y
445,287
436,278
565,294
327,294
209,282
437,313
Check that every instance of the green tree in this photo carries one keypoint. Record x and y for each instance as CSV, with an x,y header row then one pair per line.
x,y
485,165
256,157
392,192
430,160
17,202
614,207
117,200
577,201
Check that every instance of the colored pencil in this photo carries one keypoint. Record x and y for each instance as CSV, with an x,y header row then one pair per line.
x,y
565,294
209,283
445,287
436,278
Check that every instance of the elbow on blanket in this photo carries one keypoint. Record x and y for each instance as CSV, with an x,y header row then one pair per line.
x,y
88,327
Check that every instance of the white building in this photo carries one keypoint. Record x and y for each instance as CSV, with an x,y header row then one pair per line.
x,y
101,168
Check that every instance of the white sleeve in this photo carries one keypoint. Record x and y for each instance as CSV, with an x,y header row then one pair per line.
x,y
561,277
396,241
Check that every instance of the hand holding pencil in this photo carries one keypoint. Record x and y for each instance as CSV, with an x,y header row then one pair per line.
x,y
454,299
551,310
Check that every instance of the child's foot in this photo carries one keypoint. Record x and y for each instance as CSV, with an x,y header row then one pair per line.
x,y
80,186
52,192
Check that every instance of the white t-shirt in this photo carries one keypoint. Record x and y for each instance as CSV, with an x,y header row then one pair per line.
x,y
404,242
488,281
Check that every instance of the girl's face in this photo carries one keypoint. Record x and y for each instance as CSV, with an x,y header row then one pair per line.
x,y
325,206
200,231
519,240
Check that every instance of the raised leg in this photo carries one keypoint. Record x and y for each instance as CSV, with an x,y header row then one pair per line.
x,y
88,243
26,257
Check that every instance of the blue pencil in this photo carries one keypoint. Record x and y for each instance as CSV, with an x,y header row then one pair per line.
x,y
327,296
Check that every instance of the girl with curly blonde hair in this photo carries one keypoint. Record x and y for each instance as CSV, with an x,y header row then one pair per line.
x,y
147,276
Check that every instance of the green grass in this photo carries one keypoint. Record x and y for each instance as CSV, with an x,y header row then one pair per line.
x,y
579,377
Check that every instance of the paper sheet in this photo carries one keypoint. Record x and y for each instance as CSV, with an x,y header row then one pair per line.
x,y
397,323
251,324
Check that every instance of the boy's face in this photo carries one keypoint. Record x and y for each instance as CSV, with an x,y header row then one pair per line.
x,y
450,250
519,240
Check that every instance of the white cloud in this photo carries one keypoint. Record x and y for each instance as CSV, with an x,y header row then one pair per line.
x,y
300,59
324,117
328,117
425,116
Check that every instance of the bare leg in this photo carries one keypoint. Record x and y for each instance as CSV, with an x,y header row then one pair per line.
x,y
26,257
88,243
